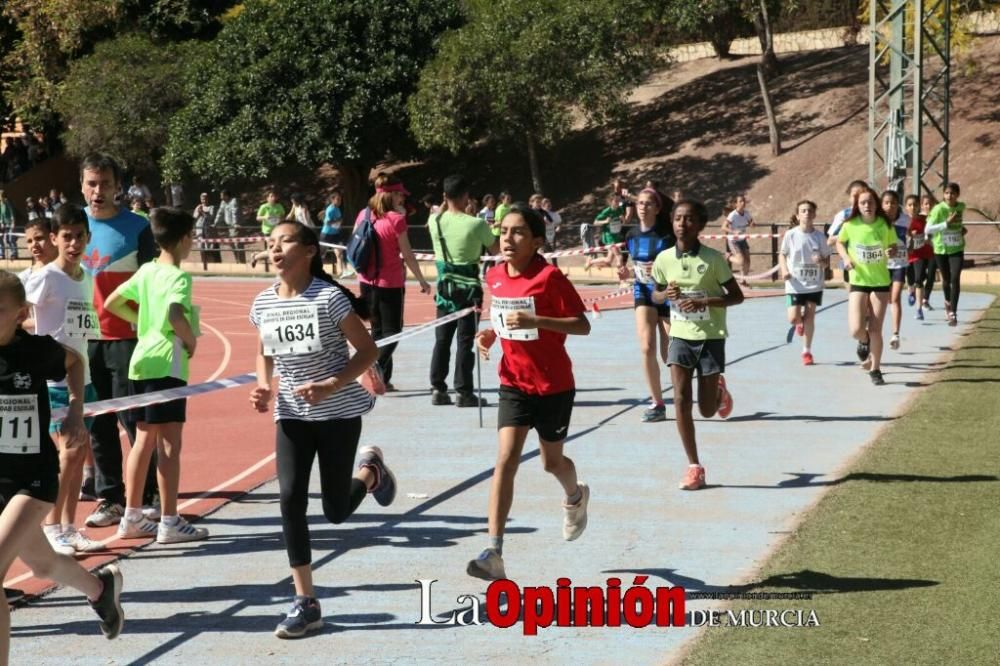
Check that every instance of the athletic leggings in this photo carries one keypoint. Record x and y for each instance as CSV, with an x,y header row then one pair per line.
x,y
923,275
950,266
298,442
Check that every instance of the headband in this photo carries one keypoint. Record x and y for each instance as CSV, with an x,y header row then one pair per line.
x,y
394,187
656,195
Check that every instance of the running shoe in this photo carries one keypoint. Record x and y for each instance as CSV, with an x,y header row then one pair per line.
x,y
58,539
894,341
488,566
106,514
88,493
725,400
800,329
876,376
863,351
654,414
440,398
575,515
384,489
13,594
152,511
144,528
180,532
81,543
389,388
109,606
920,314
952,319
927,306
304,616
470,400
912,298
807,358
694,478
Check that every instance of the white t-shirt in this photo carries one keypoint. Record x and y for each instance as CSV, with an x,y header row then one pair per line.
x,y
738,222
900,226
64,308
798,248
555,219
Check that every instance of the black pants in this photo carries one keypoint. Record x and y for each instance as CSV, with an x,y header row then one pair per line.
x,y
387,320
109,361
923,275
950,266
298,443
465,361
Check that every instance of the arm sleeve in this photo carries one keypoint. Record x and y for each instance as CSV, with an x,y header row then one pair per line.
x,y
486,237
130,287
842,234
660,268
180,291
786,243
824,249
338,306
398,223
37,289
604,214
723,272
564,295
146,250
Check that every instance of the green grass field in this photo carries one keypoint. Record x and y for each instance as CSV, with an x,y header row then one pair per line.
x,y
903,557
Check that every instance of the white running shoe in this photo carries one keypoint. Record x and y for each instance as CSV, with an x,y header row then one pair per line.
x,y
58,540
488,566
180,532
144,528
575,515
81,542
106,514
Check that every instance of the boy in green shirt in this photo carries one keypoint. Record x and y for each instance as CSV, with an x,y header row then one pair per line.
x,y
700,286
944,225
167,325
270,214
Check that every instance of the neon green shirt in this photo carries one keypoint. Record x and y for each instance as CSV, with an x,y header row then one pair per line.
x,y
272,214
699,275
948,239
465,236
158,352
866,247
498,216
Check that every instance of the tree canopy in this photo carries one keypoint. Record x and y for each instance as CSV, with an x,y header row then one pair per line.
x,y
304,82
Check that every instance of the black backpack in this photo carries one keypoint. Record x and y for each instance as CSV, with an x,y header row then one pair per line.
x,y
363,249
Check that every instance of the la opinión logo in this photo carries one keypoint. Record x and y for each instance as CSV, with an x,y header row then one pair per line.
x,y
565,606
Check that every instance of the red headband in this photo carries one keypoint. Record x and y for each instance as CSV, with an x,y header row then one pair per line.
x,y
394,187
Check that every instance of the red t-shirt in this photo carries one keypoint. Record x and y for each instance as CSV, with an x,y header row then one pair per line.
x,y
542,366
925,251
391,271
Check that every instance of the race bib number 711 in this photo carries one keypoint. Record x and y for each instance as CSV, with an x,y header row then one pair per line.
x,y
290,330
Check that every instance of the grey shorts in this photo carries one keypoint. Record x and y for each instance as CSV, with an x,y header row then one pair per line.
x,y
708,357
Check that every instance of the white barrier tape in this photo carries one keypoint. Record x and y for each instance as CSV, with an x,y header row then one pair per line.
x,y
737,236
157,397
607,297
231,239
424,256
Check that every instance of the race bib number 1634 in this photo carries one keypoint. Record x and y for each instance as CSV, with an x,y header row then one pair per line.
x,y
290,330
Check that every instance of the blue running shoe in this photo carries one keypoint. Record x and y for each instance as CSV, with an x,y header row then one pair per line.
x,y
384,489
912,298
304,616
920,314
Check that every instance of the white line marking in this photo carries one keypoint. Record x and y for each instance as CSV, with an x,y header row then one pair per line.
x,y
227,351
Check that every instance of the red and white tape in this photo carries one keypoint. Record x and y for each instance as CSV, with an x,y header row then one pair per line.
x,y
158,397
736,236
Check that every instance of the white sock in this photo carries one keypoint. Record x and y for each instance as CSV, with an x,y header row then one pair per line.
x,y
170,521
133,515
53,529
806,350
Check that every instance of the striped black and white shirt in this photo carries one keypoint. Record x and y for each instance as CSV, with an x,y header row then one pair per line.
x,y
331,308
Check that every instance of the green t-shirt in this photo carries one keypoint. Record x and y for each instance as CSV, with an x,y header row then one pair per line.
x,y
159,352
698,275
866,247
465,236
949,240
272,214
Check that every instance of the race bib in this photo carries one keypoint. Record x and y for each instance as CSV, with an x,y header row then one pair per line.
x,y
499,307
19,425
615,225
293,329
869,254
643,271
81,321
698,315
918,241
951,238
806,272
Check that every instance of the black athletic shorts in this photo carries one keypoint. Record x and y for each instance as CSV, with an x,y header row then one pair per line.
x,y
39,484
708,357
174,411
801,299
871,290
548,414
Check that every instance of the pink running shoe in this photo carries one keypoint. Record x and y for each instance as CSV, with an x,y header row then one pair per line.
x,y
694,478
725,399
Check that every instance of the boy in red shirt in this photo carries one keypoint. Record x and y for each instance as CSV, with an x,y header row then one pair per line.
x,y
920,256
532,310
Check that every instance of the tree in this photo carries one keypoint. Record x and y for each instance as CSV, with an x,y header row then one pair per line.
x,y
120,98
304,82
521,71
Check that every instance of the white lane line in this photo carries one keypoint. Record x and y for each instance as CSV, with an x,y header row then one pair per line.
x,y
227,351
208,493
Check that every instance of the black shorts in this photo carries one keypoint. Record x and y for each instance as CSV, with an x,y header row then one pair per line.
x,y
642,295
897,274
174,411
336,238
548,414
871,290
708,357
39,484
801,299
740,245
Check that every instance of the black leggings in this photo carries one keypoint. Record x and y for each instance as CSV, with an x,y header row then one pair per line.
x,y
387,320
923,275
298,442
950,266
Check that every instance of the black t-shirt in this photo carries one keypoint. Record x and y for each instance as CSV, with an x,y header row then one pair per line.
x,y
25,365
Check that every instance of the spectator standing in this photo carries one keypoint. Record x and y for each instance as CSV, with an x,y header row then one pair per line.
x,y
138,190
227,221
204,219
7,239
